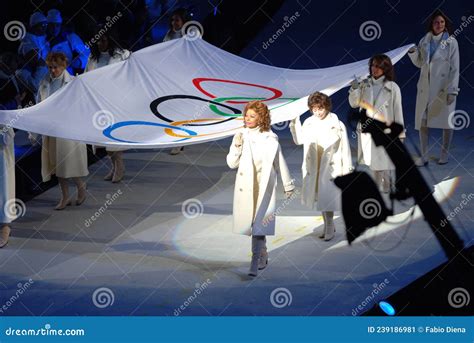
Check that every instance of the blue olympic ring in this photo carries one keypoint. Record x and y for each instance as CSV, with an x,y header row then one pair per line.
x,y
108,131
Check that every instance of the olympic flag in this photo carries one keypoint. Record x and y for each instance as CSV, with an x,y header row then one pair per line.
x,y
177,93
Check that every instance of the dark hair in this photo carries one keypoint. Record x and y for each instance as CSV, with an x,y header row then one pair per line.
x,y
321,100
112,39
180,12
439,13
263,112
385,63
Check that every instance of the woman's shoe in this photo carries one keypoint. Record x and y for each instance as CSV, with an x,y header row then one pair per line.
x,y
421,162
4,236
62,205
329,236
442,161
110,175
176,150
80,200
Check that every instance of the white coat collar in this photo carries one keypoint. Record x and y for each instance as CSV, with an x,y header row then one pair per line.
x,y
429,35
43,91
331,117
335,128
388,85
66,77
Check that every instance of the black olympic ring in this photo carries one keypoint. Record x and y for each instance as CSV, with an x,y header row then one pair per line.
x,y
155,103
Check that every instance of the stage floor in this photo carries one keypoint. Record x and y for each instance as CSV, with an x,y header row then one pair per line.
x,y
130,250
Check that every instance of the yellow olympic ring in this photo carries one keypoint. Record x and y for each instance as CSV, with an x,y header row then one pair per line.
x,y
170,132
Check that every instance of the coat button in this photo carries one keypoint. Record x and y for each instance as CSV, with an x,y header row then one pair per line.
x,y
241,189
241,174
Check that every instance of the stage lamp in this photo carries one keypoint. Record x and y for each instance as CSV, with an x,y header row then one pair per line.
x,y
362,204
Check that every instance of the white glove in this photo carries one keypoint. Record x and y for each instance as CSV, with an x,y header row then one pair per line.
x,y
450,99
238,139
355,83
288,194
33,137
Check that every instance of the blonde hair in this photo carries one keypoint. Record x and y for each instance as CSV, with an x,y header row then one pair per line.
x,y
56,57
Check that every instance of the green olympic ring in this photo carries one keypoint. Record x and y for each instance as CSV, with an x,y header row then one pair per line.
x,y
214,108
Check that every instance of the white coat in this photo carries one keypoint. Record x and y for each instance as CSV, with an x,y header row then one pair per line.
x,y
62,157
319,170
119,56
438,78
389,105
7,174
258,218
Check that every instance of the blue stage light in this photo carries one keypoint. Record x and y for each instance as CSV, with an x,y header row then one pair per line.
x,y
387,308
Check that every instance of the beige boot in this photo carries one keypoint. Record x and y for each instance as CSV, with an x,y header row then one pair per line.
x,y
329,227
447,137
378,176
119,168
4,235
81,190
65,201
386,181
110,174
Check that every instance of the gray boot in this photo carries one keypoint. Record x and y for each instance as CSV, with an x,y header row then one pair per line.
x,y
263,260
257,245
424,140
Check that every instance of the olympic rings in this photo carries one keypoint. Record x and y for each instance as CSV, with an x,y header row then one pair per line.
x,y
197,83
217,111
214,108
214,105
155,103
170,132
108,131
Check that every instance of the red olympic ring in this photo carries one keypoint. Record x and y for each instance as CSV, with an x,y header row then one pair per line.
x,y
197,83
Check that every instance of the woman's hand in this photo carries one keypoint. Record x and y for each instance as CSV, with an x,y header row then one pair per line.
x,y
355,83
450,99
238,139
33,138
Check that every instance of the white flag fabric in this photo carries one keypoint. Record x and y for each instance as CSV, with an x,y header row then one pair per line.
x,y
177,93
